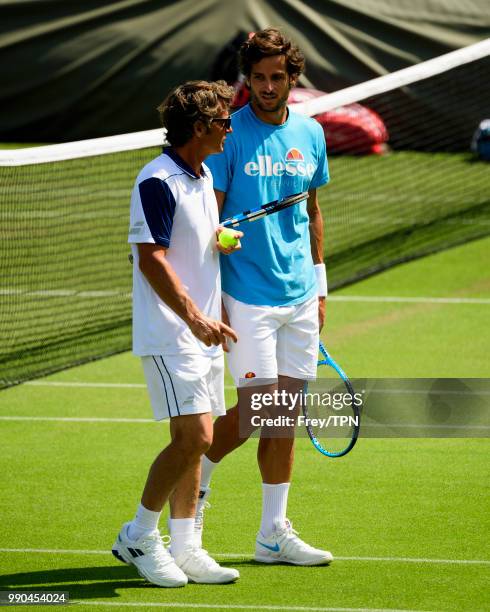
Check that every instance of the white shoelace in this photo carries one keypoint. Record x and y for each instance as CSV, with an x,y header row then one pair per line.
x,y
155,546
292,538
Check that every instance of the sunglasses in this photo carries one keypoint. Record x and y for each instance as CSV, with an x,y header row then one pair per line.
x,y
224,122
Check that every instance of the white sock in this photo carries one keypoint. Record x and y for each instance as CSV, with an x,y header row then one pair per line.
x,y
181,534
274,504
207,468
143,523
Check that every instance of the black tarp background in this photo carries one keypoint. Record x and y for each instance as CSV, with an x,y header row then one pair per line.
x,y
80,69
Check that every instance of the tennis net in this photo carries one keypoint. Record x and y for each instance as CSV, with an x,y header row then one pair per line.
x,y
66,283
428,192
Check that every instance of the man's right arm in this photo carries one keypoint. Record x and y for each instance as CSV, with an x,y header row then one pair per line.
x,y
159,273
220,198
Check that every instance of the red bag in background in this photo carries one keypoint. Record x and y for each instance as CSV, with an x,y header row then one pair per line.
x,y
353,128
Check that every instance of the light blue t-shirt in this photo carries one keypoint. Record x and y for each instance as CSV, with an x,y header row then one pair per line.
x,y
261,163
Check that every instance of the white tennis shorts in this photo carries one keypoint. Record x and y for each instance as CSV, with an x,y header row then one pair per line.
x,y
185,384
272,341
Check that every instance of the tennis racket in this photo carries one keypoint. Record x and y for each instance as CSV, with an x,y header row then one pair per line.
x,y
332,420
266,209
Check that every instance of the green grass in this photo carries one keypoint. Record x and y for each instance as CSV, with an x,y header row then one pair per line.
x,y
418,339
69,485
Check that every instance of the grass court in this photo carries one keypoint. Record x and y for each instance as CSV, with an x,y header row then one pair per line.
x,y
406,519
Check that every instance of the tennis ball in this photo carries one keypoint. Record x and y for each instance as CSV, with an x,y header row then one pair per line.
x,y
227,238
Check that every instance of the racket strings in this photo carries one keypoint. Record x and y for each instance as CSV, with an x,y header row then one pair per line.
x,y
331,410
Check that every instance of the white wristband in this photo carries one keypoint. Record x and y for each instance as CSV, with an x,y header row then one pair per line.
x,y
321,279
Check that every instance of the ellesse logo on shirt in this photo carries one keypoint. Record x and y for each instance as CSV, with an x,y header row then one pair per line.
x,y
293,165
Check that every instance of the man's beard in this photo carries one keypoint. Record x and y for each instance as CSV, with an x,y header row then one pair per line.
x,y
281,103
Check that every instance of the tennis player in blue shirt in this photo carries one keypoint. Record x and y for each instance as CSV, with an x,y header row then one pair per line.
x,y
275,286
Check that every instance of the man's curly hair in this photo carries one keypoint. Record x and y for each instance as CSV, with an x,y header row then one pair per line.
x,y
190,102
267,43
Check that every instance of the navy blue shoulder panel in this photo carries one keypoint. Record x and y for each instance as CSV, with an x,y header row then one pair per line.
x,y
159,207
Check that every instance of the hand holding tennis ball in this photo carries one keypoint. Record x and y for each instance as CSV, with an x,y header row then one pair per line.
x,y
229,239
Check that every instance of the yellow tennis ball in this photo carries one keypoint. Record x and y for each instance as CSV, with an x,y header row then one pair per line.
x,y
227,238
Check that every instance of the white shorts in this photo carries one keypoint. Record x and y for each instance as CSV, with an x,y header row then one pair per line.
x,y
185,384
272,341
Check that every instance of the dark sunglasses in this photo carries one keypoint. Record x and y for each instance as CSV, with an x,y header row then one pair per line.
x,y
225,122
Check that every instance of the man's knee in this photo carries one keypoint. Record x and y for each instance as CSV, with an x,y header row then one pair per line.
x,y
193,437
193,444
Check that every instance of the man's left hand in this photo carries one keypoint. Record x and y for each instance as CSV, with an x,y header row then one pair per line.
x,y
230,249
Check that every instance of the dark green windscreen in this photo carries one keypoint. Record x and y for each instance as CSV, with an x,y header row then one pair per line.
x,y
85,69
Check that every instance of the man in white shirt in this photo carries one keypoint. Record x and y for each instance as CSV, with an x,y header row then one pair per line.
x,y
177,329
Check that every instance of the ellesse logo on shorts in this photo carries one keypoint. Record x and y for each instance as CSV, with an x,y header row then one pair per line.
x,y
293,165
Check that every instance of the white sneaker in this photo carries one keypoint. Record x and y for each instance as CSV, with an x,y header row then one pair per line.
x,y
202,505
150,557
200,567
284,546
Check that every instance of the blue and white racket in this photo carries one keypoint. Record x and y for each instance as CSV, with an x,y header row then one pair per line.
x,y
332,419
267,209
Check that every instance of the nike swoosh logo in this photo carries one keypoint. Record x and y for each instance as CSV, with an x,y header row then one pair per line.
x,y
274,548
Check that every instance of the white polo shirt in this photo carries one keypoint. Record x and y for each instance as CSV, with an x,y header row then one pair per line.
x,y
173,207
